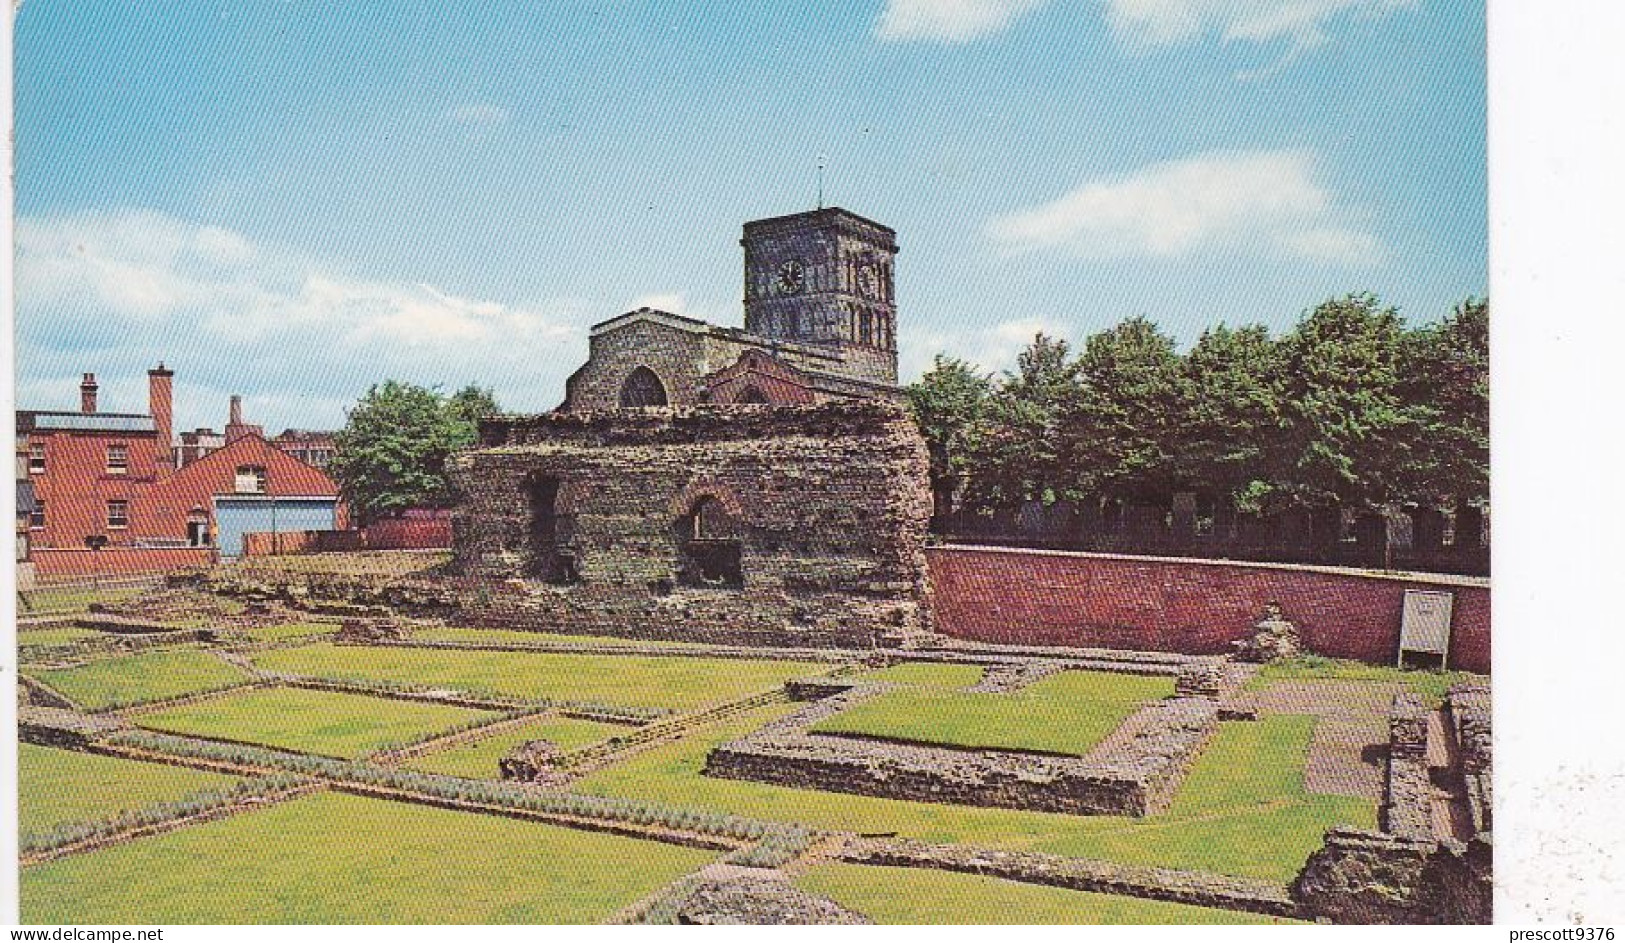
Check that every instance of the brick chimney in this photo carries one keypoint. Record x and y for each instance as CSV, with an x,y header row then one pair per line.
x,y
161,404
87,393
235,427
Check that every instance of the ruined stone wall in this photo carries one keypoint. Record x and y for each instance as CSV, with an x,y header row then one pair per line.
x,y
830,503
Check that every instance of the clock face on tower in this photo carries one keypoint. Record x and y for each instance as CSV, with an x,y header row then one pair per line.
x,y
868,281
792,278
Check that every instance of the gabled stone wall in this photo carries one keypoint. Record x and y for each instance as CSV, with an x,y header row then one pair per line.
x,y
829,504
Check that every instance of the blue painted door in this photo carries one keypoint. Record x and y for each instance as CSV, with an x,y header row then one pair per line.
x,y
237,515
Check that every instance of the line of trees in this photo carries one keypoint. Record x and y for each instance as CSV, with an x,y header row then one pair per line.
x,y
1350,409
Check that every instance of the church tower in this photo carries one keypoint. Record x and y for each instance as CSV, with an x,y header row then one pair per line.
x,y
825,277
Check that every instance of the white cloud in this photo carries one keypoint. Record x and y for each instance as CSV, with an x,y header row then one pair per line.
x,y
1268,201
949,21
992,347
121,290
1301,23
671,302
478,113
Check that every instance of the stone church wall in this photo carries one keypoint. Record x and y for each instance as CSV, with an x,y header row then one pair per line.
x,y
678,357
829,505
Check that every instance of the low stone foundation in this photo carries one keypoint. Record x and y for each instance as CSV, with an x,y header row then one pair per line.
x,y
1407,798
1134,772
1184,887
1468,707
69,729
1408,873
728,895
1371,877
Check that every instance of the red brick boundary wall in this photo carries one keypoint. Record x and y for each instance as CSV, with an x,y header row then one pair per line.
x,y
410,533
1198,607
51,565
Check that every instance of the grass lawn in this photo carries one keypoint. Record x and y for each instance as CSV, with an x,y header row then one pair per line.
x,y
330,723
332,858
623,680
56,635
521,637
1242,810
1068,713
478,760
928,674
913,896
55,787
136,679
69,599
1430,684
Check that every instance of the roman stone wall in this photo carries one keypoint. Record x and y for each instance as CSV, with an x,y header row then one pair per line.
x,y
829,505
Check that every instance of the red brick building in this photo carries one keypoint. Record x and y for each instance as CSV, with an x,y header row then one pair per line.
x,y
88,468
314,448
108,482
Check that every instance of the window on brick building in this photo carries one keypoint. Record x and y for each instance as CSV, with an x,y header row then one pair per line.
x,y
36,517
250,479
118,459
118,513
711,548
36,458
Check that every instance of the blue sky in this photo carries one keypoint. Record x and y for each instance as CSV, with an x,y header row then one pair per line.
x,y
293,200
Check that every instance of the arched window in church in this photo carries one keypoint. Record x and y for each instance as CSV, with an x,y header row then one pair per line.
x,y
710,546
753,396
643,388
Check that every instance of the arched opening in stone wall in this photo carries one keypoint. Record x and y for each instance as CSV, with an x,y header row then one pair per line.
x,y
710,546
551,558
643,388
753,395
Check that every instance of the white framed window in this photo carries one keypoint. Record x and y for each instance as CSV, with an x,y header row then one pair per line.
x,y
118,459
250,479
118,513
36,517
36,458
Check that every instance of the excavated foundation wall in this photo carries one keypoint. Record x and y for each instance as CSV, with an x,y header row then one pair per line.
x,y
818,515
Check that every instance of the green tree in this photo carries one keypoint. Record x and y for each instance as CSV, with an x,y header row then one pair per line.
x,y
1230,415
948,403
393,448
1118,432
1445,382
1018,454
1349,434
469,405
